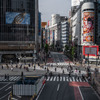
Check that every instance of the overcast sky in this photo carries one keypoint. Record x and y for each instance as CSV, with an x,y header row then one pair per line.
x,y
48,7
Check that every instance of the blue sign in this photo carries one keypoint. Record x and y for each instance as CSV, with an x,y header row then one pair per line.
x,y
17,18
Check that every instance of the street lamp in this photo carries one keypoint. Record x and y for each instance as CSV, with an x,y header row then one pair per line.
x,y
88,59
96,58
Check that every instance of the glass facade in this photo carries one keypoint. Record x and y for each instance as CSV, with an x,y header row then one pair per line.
x,y
17,20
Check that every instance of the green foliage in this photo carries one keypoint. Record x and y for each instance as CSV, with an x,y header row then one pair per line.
x,y
46,47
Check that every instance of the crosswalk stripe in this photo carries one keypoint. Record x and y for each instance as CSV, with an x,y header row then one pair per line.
x,y
48,78
57,78
80,79
54,78
73,79
77,79
15,78
86,79
51,78
66,78
60,78
70,79
63,78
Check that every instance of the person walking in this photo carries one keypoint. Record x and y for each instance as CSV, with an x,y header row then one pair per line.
x,y
2,66
55,69
96,72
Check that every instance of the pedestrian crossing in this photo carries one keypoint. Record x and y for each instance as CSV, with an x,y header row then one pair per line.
x,y
10,79
67,78
59,64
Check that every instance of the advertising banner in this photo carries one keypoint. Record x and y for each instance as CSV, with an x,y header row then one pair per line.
x,y
17,18
43,24
91,51
88,27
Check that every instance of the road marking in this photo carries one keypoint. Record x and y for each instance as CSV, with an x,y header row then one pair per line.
x,y
80,93
67,78
77,79
40,92
86,79
80,79
19,96
8,88
58,87
4,86
73,79
14,99
5,95
48,78
54,78
57,78
70,79
51,79
60,78
63,78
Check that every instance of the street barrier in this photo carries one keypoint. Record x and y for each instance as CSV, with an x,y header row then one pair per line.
x,y
28,89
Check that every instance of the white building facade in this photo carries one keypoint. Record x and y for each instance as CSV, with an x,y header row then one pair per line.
x,y
64,33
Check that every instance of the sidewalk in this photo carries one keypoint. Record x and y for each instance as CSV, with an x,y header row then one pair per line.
x,y
96,83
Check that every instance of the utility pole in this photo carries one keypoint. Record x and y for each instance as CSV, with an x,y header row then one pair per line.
x,y
88,59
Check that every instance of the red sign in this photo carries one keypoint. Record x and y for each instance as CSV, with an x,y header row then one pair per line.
x,y
90,50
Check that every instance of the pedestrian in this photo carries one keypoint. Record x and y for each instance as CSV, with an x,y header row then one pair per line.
x,y
69,75
59,76
16,66
46,75
11,68
96,71
34,67
47,70
83,77
2,66
55,69
7,67
79,74
22,74
63,71
5,76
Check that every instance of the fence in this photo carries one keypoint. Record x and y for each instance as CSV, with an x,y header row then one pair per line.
x,y
28,90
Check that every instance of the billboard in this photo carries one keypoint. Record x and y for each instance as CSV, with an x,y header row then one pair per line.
x,y
17,18
92,51
43,24
88,27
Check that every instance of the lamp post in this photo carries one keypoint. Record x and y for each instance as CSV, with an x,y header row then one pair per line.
x,y
88,59
96,58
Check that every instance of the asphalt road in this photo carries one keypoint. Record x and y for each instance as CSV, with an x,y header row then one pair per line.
x,y
5,90
60,90
57,91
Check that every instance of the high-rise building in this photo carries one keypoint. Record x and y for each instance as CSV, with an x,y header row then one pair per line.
x,y
18,28
85,30
64,33
58,30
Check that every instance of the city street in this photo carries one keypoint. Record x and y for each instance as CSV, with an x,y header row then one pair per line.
x,y
5,90
57,61
66,89
63,87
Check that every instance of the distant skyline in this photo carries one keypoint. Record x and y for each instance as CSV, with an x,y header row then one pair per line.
x,y
49,7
